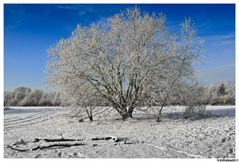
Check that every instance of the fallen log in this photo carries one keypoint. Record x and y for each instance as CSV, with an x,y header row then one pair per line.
x,y
56,140
101,138
57,145
46,146
104,138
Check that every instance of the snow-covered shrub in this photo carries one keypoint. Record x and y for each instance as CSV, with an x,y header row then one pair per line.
x,y
195,112
194,99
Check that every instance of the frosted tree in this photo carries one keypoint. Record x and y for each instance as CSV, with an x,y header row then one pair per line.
x,y
19,95
212,91
179,71
32,98
45,100
230,93
131,61
8,96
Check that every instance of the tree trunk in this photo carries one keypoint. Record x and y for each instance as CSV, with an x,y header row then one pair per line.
x,y
159,118
160,114
91,118
89,114
124,115
121,109
130,111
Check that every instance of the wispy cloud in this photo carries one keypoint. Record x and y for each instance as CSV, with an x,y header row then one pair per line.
x,y
79,10
220,40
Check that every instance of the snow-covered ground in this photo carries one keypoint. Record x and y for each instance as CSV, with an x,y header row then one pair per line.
x,y
139,137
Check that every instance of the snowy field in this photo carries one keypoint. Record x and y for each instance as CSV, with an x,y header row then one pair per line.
x,y
37,133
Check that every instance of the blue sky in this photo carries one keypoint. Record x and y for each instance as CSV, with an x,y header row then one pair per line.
x,y
29,30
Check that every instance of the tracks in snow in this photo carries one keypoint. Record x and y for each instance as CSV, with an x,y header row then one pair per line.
x,y
12,121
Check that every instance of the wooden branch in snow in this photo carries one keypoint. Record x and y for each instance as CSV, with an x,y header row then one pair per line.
x,y
46,146
17,149
57,139
57,145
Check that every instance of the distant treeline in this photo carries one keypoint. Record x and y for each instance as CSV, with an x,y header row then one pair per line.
x,y
23,96
221,94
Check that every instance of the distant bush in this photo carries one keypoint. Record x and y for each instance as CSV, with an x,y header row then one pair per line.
x,y
23,96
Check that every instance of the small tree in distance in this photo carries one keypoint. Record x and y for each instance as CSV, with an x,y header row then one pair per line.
x,y
132,61
221,90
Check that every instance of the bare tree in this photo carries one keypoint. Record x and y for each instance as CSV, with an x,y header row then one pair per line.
x,y
132,61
